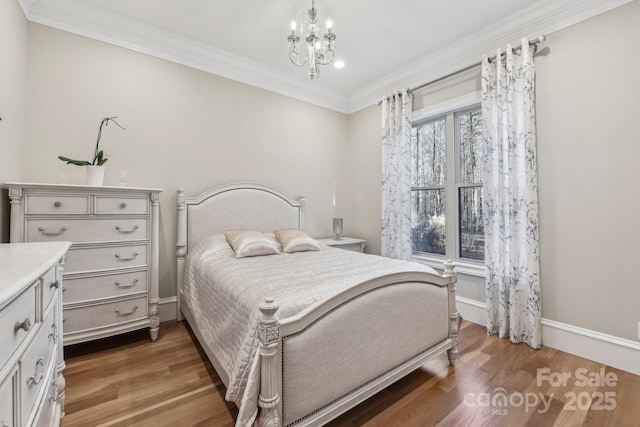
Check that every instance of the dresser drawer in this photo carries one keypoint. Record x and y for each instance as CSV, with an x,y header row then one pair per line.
x,y
122,205
8,392
104,315
80,289
56,204
36,364
87,230
105,258
49,286
22,311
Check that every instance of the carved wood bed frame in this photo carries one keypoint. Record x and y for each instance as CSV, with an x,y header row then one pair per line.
x,y
254,206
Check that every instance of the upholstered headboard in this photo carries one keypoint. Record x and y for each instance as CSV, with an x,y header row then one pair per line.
x,y
236,206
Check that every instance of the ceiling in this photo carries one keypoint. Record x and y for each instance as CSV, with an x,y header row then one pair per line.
x,y
386,45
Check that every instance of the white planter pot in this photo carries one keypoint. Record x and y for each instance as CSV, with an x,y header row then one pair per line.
x,y
95,175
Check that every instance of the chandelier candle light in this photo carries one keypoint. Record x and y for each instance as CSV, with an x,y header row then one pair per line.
x,y
318,52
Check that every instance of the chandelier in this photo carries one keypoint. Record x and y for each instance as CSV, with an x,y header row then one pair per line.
x,y
319,52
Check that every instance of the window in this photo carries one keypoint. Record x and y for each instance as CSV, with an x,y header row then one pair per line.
x,y
428,169
446,185
468,143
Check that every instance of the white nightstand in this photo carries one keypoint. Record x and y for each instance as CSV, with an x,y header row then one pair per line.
x,y
348,243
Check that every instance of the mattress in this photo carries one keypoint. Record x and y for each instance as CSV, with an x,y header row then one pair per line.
x,y
223,294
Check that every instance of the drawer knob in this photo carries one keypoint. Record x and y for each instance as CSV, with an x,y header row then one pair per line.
x,y
135,227
57,204
26,325
52,233
55,284
120,285
39,373
123,205
135,307
135,254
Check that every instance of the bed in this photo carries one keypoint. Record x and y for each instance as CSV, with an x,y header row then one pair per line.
x,y
300,338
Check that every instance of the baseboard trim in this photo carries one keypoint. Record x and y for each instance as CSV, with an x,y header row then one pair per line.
x,y
612,351
167,308
472,310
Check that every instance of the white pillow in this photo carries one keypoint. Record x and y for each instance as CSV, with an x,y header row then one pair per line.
x,y
296,240
246,243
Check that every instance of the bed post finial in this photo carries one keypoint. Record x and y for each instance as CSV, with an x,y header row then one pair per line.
x,y
454,317
449,267
269,335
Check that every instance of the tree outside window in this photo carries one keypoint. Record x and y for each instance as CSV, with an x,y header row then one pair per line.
x,y
456,135
469,185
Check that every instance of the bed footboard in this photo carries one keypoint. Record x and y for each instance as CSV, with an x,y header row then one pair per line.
x,y
330,358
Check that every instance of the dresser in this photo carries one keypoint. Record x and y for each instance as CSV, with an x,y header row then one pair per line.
x,y
111,272
347,243
31,357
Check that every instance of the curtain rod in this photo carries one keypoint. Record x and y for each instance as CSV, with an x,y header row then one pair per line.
x,y
538,40
534,43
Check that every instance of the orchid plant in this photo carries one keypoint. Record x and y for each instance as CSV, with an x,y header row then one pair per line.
x,y
98,155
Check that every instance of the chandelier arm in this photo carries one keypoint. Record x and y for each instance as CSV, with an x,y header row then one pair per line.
x,y
293,57
322,58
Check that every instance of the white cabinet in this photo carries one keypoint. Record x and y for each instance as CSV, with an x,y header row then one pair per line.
x,y
111,272
31,356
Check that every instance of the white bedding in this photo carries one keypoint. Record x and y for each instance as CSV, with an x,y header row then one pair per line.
x,y
223,294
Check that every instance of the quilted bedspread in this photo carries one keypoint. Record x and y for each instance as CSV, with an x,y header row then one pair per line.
x,y
223,293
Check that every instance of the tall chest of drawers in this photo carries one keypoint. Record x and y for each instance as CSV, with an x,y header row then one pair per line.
x,y
32,387
111,272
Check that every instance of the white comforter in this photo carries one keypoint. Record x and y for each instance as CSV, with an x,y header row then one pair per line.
x,y
223,293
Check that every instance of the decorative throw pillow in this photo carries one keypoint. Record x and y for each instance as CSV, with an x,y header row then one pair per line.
x,y
296,240
246,243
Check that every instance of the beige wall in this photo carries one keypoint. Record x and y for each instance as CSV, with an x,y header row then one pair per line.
x,y
184,128
588,117
588,120
365,166
13,62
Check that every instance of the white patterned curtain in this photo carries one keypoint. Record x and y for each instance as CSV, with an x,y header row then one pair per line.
x,y
396,176
510,196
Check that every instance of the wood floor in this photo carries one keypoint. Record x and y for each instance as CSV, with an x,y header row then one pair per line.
x,y
131,381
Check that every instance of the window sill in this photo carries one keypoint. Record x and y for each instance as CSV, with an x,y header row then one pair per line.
x,y
462,266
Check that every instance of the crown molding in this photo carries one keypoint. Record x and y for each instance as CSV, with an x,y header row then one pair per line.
x,y
26,6
542,18
79,18
86,20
